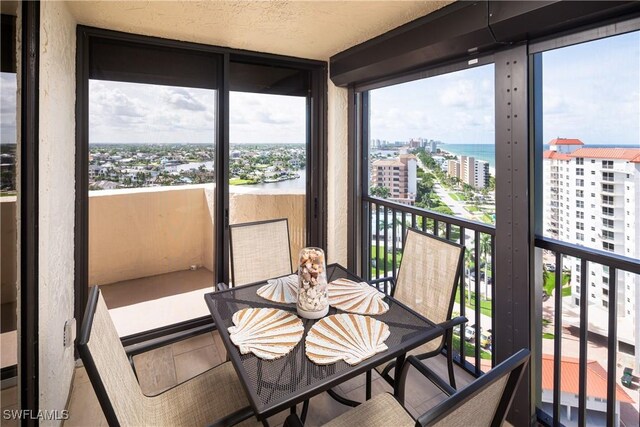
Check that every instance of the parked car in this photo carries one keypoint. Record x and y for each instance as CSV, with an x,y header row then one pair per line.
x,y
485,339
470,333
627,377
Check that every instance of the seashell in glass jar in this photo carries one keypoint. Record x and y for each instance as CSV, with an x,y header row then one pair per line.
x,y
313,298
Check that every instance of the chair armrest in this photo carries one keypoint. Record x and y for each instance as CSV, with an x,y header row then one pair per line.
x,y
428,373
377,282
221,286
451,323
143,347
292,421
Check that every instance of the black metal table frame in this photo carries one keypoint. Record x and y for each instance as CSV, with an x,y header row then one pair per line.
x,y
306,392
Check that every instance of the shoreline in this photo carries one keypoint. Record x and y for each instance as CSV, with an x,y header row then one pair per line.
x,y
492,169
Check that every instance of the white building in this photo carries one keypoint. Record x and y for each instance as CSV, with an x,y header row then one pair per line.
x,y
470,171
592,198
481,177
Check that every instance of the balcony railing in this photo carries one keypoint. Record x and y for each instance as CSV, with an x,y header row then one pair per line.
x,y
608,327
384,226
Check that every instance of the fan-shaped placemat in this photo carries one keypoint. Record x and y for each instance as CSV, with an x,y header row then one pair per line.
x,y
354,297
283,289
266,332
349,337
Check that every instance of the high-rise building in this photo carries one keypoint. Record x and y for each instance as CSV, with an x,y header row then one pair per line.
x,y
593,200
434,146
398,175
470,171
453,168
481,176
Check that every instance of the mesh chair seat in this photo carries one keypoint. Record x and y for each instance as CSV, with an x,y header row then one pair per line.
x,y
199,401
259,251
212,395
381,411
485,402
427,280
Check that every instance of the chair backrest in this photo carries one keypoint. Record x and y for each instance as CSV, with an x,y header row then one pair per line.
x,y
108,367
484,402
429,273
259,251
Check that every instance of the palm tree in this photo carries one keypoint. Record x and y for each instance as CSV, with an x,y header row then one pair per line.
x,y
468,262
485,253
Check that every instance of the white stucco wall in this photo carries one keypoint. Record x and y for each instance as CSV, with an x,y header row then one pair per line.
x,y
56,201
337,180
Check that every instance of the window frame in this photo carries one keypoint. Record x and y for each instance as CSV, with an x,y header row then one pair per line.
x,y
316,195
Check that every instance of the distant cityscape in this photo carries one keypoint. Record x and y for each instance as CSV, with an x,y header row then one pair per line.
x,y
114,166
446,178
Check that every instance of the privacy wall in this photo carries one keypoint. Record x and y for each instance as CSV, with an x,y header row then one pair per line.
x,y
56,202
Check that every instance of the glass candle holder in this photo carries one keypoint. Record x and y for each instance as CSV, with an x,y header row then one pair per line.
x,y
313,299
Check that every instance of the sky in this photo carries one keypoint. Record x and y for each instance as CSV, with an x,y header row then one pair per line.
x,y
591,91
8,108
132,112
454,108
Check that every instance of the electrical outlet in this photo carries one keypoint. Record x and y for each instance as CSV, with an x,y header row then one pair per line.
x,y
69,332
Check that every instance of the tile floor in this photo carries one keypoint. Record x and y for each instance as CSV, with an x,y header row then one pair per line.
x,y
167,366
9,401
165,299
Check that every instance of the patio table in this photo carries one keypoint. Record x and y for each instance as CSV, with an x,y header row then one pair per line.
x,y
275,385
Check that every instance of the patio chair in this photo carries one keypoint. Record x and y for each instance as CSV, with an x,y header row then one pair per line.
x,y
427,280
215,395
483,403
259,251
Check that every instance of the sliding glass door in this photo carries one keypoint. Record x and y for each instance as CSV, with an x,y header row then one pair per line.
x,y
151,201
175,142
268,161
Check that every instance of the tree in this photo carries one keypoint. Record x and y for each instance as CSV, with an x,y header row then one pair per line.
x,y
380,191
485,253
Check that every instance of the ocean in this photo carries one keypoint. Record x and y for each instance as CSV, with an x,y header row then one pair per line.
x,y
487,152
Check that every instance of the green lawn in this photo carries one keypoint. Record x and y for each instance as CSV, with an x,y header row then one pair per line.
x,y
472,208
380,260
456,196
238,181
487,219
550,283
469,348
485,305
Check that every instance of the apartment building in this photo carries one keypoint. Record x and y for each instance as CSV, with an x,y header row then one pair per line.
x,y
469,171
593,201
453,168
398,175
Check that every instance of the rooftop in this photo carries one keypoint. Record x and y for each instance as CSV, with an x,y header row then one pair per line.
x,y
570,378
566,141
630,154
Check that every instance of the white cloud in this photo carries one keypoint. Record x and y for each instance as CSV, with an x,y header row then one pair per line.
x,y
453,108
183,99
260,118
130,112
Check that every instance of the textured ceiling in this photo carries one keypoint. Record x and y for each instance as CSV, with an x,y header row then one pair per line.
x,y
307,29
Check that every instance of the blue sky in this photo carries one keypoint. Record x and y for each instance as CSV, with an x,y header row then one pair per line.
x,y
590,91
454,108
